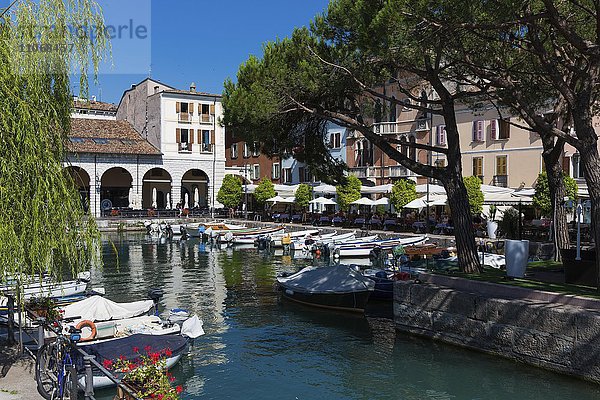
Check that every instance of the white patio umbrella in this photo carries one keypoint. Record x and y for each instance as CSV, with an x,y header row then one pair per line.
x,y
289,200
438,200
363,201
384,201
416,204
185,200
131,198
276,199
196,198
323,200
168,201
153,197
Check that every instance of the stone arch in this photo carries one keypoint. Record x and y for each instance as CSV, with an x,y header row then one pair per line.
x,y
195,182
115,185
160,180
81,179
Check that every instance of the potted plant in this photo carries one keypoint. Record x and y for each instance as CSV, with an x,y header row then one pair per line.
x,y
146,376
42,307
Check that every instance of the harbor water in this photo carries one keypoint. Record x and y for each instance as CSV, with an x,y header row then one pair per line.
x,y
258,346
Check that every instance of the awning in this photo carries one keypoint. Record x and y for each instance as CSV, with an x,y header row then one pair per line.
x,y
380,189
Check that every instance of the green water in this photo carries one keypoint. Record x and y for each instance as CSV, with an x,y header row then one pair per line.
x,y
260,347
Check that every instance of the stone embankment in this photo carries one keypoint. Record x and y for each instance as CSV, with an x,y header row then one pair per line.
x,y
555,332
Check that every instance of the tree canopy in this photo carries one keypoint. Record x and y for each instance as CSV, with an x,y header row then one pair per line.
x,y
542,199
473,185
264,191
43,227
303,195
348,191
230,193
403,192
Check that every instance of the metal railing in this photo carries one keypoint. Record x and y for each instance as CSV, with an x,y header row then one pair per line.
x,y
89,361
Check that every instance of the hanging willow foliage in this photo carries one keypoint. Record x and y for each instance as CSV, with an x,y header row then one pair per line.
x,y
43,227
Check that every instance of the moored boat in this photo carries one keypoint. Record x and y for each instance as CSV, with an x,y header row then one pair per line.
x,y
338,287
364,248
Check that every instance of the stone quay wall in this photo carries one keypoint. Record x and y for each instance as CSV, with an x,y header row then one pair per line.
x,y
553,335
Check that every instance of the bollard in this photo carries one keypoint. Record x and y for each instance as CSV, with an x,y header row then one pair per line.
x,y
74,382
89,377
41,340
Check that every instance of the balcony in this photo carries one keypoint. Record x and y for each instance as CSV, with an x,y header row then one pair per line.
x,y
398,171
206,118
185,147
501,180
184,117
206,147
401,127
363,172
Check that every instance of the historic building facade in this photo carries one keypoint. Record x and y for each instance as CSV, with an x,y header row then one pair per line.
x,y
161,147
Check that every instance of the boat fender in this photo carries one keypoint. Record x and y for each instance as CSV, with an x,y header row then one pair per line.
x,y
86,323
286,240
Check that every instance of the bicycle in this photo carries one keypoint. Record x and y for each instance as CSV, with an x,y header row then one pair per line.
x,y
55,364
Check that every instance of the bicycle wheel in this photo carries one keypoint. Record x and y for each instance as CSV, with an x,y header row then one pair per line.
x,y
46,375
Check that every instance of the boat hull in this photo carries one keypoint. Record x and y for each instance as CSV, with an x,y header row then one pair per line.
x,y
364,249
353,301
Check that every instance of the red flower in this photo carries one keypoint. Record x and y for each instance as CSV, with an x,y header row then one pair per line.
x,y
132,366
136,349
147,349
122,357
107,364
179,389
168,353
160,396
172,378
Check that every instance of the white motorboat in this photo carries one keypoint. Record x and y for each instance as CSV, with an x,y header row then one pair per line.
x,y
251,236
305,244
298,235
363,248
48,288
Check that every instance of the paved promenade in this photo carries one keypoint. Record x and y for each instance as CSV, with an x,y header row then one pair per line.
x,y
17,376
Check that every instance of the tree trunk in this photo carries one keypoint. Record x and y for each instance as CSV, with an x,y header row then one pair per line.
x,y
556,186
591,167
468,260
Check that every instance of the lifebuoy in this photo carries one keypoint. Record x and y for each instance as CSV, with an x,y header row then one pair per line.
x,y
87,324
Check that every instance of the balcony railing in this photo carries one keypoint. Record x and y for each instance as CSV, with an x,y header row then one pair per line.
x,y
206,118
400,127
398,171
185,147
184,117
206,147
501,180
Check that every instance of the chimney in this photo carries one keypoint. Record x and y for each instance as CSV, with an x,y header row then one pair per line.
x,y
156,89
192,87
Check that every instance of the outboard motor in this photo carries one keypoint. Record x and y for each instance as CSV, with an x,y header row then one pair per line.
x,y
263,242
184,234
155,294
376,256
228,237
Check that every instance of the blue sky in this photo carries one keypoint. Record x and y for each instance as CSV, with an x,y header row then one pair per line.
x,y
196,41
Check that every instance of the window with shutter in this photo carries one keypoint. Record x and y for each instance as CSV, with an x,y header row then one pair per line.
x,y
246,150
494,129
301,174
478,131
191,136
566,165
234,150
212,138
191,108
178,135
256,171
501,165
504,130
478,167
177,107
212,109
